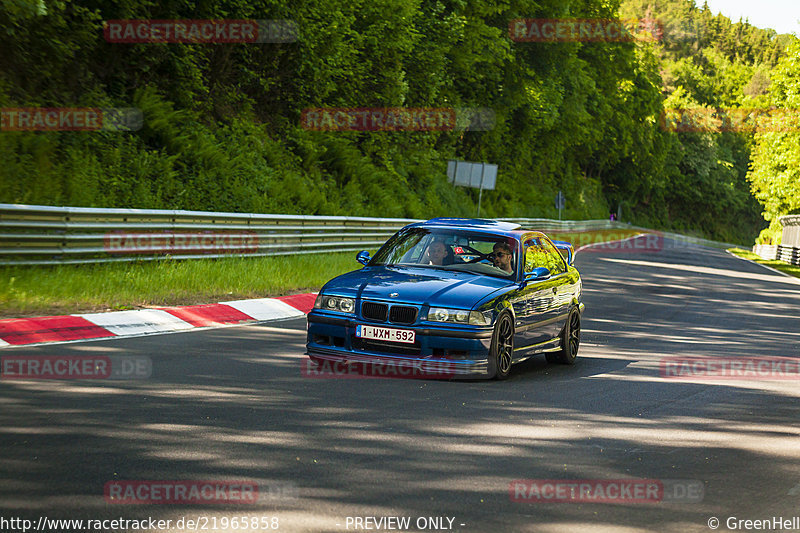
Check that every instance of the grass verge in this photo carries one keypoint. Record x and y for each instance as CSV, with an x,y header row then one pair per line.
x,y
777,265
62,289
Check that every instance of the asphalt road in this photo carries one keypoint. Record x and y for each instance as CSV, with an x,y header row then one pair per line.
x,y
232,404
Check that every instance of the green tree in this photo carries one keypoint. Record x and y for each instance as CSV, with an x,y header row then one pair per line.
x,y
775,175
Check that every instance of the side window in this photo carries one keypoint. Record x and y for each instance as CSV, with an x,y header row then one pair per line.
x,y
535,255
555,260
540,253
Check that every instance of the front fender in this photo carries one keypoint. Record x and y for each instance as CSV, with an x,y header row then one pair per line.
x,y
497,305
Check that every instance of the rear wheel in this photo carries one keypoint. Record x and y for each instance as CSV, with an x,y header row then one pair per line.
x,y
502,349
570,340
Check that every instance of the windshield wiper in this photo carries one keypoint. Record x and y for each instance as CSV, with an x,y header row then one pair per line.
x,y
451,268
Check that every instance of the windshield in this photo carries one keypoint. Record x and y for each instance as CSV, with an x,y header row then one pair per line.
x,y
492,255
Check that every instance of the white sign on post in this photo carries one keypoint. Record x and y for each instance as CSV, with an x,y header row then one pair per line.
x,y
489,176
477,175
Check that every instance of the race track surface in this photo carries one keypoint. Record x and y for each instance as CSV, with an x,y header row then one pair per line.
x,y
232,404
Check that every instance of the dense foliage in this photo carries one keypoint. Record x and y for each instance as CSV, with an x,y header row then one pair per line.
x,y
222,121
775,172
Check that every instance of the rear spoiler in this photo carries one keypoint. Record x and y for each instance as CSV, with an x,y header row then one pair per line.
x,y
566,250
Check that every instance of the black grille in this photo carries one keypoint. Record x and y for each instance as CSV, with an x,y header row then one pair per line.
x,y
400,314
384,347
374,311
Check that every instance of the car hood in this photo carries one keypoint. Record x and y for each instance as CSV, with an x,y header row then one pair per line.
x,y
440,288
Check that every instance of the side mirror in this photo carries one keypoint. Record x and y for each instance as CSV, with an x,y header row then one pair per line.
x,y
363,257
537,273
567,251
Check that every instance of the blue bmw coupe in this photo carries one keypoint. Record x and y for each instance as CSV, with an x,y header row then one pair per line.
x,y
452,296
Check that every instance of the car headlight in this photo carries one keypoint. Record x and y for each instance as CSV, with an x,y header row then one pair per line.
x,y
335,303
456,316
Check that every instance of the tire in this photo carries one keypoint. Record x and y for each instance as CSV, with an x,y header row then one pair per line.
x,y
570,340
502,350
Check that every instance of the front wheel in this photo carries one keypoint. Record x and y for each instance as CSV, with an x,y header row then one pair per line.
x,y
502,349
570,340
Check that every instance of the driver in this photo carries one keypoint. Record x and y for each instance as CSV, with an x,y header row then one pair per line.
x,y
502,256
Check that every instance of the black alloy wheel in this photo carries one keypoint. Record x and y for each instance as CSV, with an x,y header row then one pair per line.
x,y
570,340
502,350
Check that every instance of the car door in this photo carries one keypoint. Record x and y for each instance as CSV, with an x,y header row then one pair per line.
x,y
534,302
560,285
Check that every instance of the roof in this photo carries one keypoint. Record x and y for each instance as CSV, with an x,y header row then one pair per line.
x,y
469,223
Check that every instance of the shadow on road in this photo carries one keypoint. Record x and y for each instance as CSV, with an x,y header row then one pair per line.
x,y
232,404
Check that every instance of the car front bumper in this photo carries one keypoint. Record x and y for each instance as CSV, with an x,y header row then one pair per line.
x,y
438,351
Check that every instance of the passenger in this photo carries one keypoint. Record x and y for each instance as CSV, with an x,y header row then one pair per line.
x,y
438,252
502,257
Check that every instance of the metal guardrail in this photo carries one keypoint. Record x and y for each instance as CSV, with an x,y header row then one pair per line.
x,y
33,234
41,235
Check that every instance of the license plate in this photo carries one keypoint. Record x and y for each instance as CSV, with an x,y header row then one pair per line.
x,y
386,334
